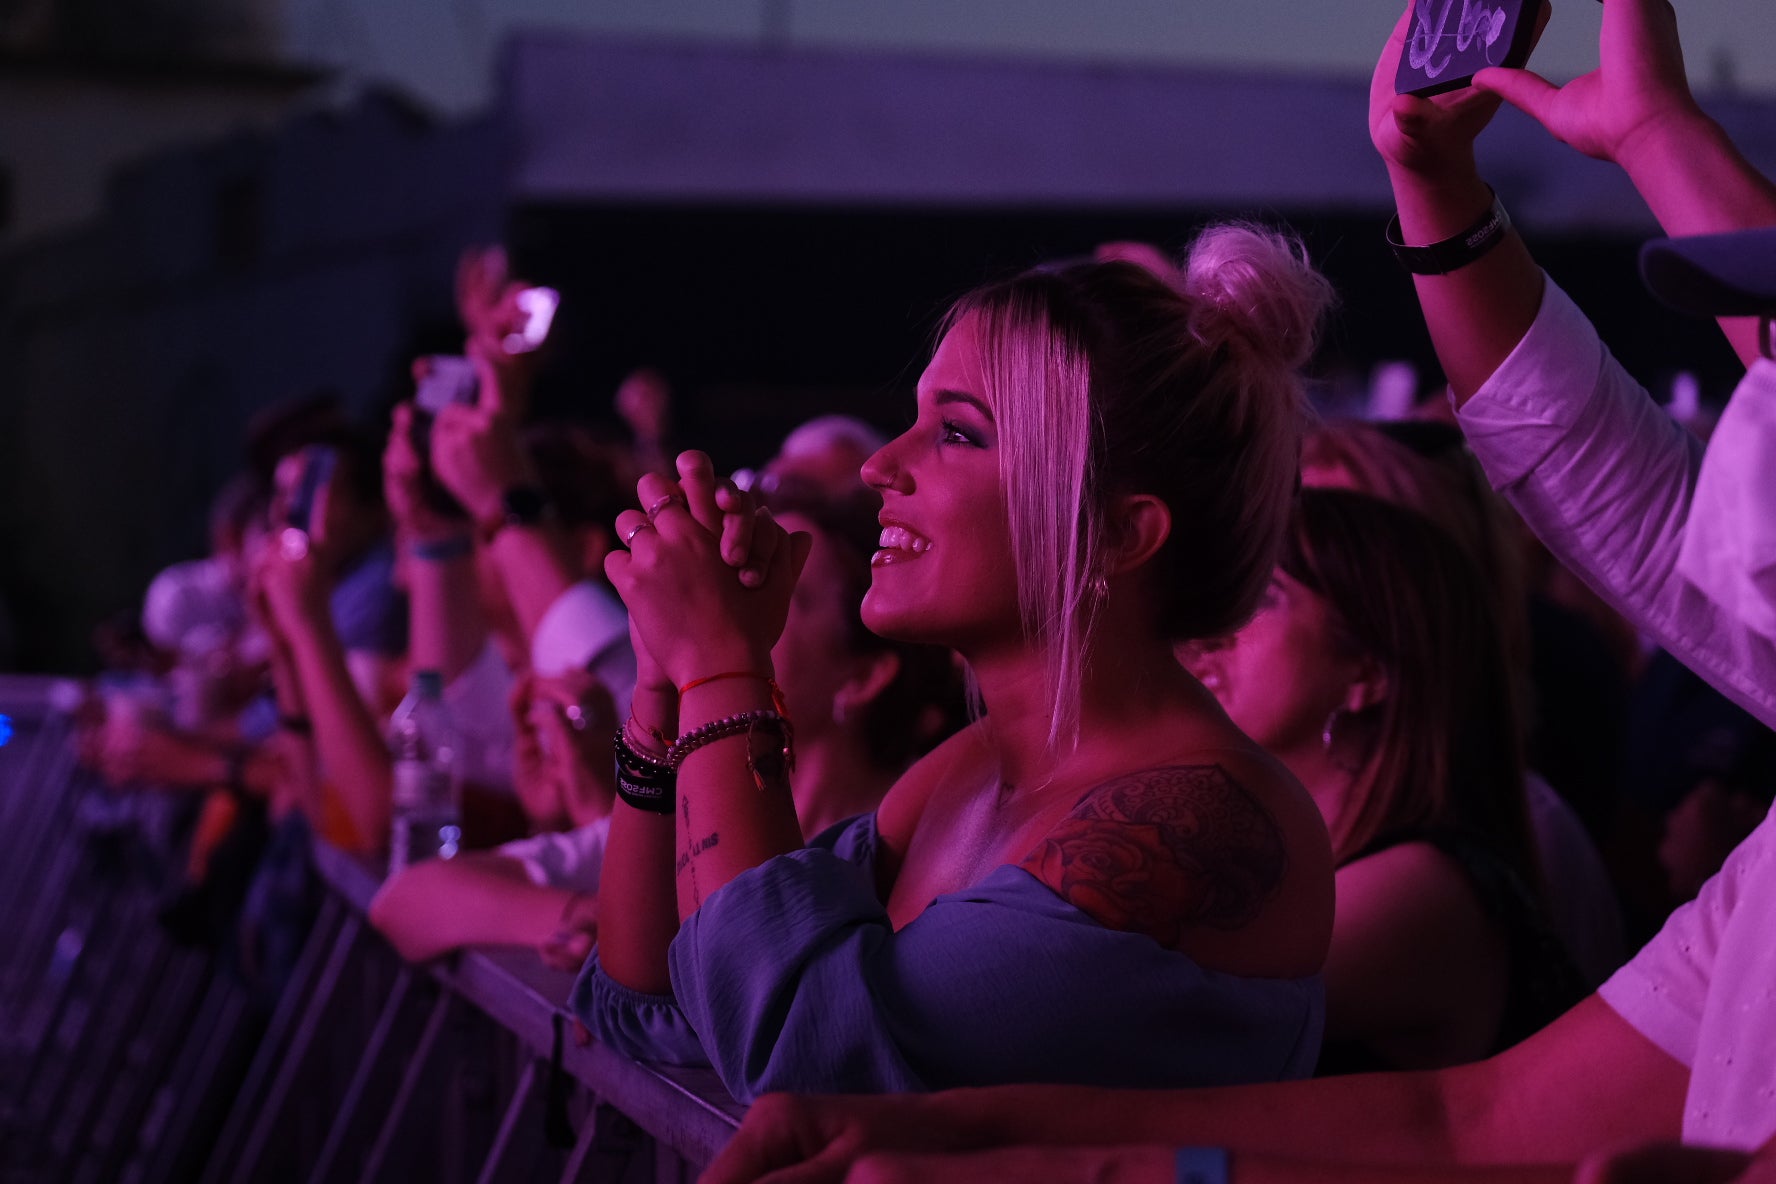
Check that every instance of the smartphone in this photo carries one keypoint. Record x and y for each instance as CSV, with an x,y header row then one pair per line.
x,y
450,378
538,306
1452,40
318,463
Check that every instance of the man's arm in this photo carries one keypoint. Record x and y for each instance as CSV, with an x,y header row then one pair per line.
x,y
477,455
1478,313
1588,1080
441,905
1636,110
1158,1165
447,628
349,751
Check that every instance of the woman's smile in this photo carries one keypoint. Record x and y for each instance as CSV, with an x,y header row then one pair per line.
x,y
898,544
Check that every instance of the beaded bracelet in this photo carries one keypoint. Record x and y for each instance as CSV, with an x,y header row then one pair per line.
x,y
744,724
644,782
661,738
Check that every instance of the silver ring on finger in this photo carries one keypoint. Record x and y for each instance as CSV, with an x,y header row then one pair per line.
x,y
662,502
637,529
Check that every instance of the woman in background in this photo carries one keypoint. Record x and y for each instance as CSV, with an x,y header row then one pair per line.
x,y
1375,672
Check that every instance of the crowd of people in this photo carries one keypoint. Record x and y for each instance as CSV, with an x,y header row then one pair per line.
x,y
1118,775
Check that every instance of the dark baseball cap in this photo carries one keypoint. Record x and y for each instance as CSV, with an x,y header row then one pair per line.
x,y
1714,275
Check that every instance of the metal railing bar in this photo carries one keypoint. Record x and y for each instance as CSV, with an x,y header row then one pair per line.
x,y
187,988
360,1081
28,784
211,1048
129,1013
47,1037
295,1057
515,1111
289,1011
50,900
417,1066
582,1148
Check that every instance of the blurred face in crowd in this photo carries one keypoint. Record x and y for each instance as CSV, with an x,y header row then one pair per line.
x,y
1282,675
831,464
814,658
561,758
944,571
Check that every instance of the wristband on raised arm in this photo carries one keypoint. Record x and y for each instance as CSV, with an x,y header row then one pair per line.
x,y
1456,251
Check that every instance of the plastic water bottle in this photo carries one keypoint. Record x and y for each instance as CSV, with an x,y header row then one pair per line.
x,y
427,750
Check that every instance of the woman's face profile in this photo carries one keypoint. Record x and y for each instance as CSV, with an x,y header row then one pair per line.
x,y
1283,673
943,570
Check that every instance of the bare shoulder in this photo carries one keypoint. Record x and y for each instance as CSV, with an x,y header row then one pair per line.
x,y
1410,888
1165,851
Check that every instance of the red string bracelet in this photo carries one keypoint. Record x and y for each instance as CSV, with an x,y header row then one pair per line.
x,y
777,700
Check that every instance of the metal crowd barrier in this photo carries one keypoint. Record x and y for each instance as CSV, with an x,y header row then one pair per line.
x,y
125,1056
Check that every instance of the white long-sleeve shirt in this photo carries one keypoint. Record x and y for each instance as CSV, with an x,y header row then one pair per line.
x,y
1606,479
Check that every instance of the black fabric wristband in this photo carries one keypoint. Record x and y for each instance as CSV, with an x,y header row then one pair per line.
x,y
642,782
654,799
1457,251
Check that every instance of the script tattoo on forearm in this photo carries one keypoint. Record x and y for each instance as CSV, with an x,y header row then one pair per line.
x,y
696,848
683,865
1164,850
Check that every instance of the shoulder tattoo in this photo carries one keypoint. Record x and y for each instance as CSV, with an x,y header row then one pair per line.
x,y
1165,850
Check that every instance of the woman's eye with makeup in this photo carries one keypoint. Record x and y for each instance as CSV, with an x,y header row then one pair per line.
x,y
954,433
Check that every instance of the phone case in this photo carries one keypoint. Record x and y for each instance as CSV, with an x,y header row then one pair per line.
x,y
318,462
450,378
1451,40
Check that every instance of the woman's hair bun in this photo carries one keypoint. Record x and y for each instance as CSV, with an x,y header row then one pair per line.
x,y
1253,288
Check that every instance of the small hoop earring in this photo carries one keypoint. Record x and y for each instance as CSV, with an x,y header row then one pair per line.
x,y
1100,586
1329,741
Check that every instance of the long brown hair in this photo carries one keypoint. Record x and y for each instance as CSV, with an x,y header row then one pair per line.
x,y
1427,466
1443,749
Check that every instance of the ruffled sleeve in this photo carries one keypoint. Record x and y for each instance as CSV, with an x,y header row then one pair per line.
x,y
654,1027
646,1027
1003,982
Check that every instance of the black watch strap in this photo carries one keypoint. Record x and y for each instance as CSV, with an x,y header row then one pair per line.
x,y
1457,251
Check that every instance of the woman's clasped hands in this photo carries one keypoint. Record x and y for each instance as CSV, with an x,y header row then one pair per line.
x,y
706,573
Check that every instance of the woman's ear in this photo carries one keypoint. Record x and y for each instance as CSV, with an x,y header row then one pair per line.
x,y
1139,524
1368,688
874,673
